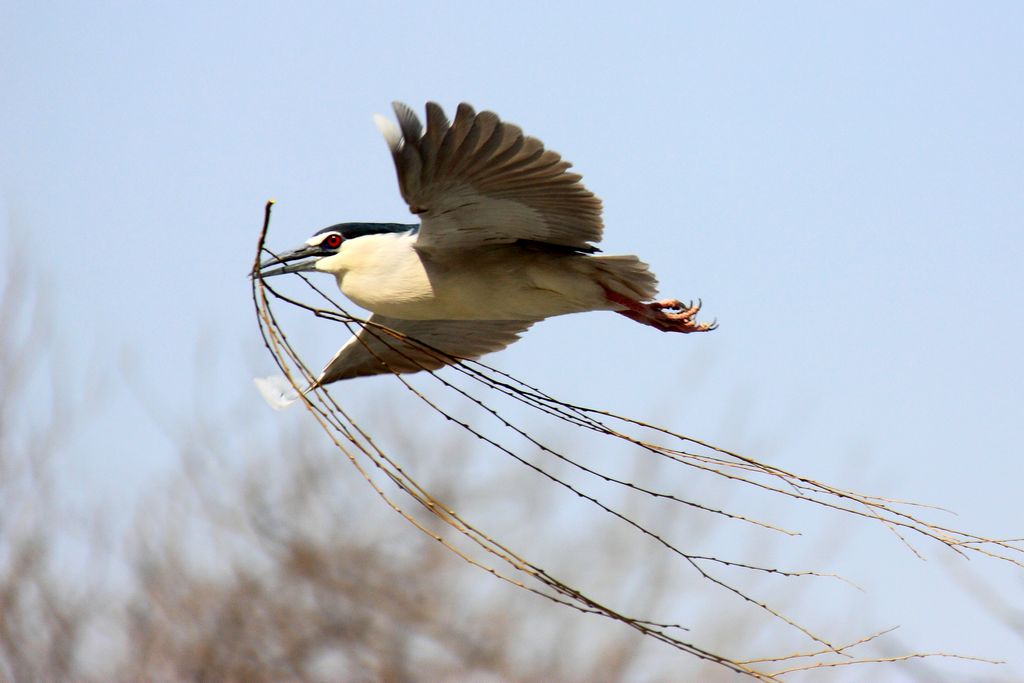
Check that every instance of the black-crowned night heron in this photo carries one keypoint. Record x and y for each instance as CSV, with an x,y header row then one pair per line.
x,y
506,238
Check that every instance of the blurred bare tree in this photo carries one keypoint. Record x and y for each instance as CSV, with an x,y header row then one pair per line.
x,y
275,568
270,561
42,616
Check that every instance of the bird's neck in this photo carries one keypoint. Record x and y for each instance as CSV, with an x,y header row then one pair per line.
x,y
373,253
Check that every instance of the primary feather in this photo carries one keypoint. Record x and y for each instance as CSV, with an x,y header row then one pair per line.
x,y
479,180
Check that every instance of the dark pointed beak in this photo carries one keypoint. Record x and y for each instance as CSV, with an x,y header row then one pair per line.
x,y
296,261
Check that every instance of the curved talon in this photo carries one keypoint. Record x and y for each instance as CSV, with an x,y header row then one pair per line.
x,y
667,305
667,315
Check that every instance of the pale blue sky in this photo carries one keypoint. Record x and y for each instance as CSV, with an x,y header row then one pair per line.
x,y
841,183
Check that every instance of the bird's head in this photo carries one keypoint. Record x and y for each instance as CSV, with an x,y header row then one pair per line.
x,y
317,252
314,251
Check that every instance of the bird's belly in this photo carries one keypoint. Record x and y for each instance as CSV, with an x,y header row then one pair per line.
x,y
480,288
406,294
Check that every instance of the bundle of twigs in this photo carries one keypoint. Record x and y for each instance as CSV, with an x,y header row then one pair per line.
x,y
474,545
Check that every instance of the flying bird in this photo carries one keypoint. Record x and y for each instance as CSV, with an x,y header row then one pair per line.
x,y
506,237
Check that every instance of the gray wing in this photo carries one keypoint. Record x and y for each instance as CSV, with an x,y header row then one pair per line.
x,y
431,344
479,180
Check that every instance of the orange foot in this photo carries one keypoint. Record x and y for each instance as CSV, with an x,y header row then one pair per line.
x,y
668,315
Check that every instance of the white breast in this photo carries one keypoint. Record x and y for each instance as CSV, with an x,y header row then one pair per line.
x,y
380,272
387,275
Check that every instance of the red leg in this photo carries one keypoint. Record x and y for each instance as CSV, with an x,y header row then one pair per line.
x,y
667,315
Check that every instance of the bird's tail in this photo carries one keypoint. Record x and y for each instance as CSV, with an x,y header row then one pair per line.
x,y
626,275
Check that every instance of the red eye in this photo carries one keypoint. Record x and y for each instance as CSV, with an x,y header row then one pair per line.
x,y
332,241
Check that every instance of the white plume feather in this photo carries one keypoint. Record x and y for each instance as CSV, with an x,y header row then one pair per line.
x,y
277,391
389,130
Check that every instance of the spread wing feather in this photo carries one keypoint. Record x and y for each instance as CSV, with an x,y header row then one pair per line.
x,y
431,344
478,180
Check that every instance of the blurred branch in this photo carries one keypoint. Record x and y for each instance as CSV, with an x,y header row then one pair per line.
x,y
41,617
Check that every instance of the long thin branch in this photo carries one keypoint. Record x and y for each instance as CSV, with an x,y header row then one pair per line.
x,y
367,456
